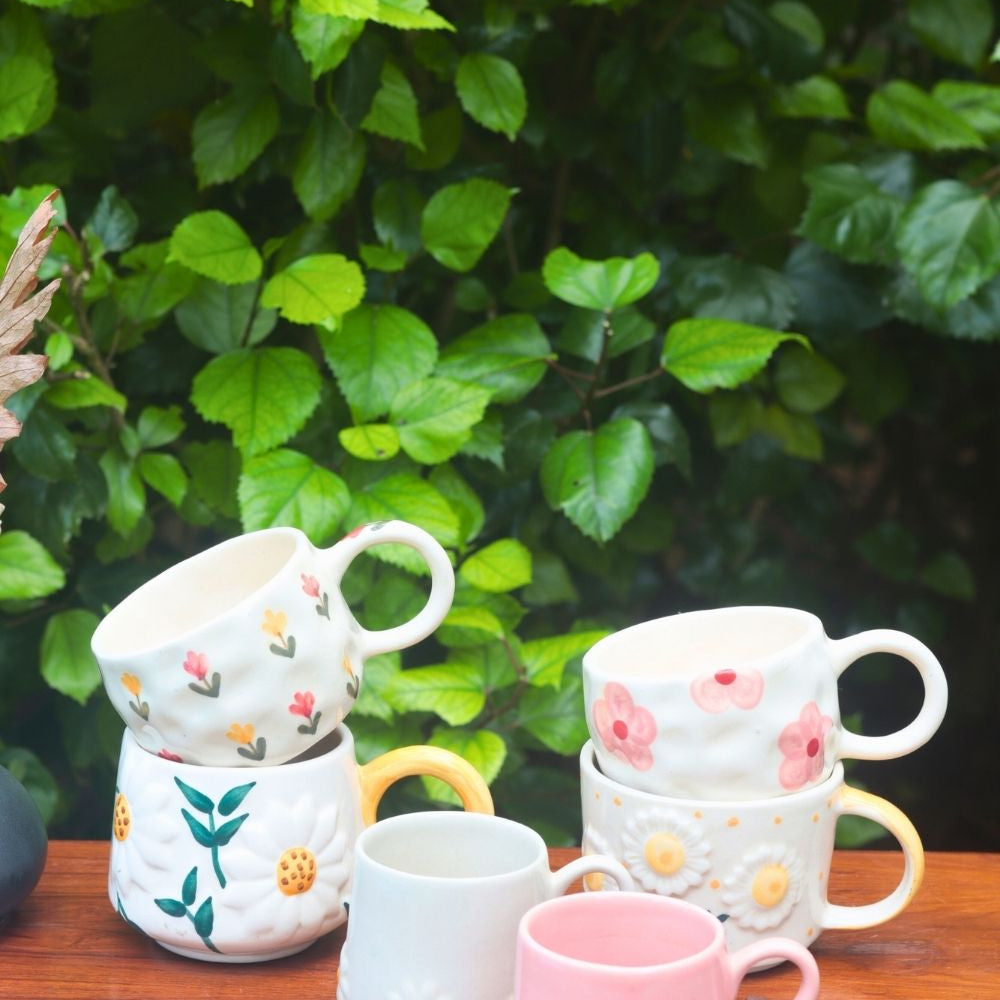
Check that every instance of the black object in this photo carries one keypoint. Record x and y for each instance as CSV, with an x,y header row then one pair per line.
x,y
23,844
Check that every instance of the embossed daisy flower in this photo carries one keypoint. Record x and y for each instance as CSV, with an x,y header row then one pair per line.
x,y
762,888
288,869
665,851
145,825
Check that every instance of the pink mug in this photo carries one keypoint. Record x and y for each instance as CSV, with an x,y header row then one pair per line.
x,y
638,946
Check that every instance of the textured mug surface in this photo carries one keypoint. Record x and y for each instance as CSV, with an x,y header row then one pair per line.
x,y
600,946
247,654
230,865
761,867
738,703
436,903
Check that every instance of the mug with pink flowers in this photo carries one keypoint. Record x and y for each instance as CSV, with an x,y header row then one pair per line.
x,y
738,703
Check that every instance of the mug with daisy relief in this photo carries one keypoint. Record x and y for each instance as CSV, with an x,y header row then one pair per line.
x,y
739,703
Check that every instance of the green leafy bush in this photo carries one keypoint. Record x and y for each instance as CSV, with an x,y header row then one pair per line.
x,y
636,306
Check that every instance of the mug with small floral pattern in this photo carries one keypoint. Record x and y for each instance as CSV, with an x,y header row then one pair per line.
x,y
247,654
762,867
231,865
739,703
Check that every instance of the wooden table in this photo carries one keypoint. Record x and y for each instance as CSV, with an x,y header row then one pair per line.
x,y
66,942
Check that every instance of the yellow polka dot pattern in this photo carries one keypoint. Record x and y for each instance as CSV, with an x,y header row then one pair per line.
x,y
664,853
121,824
296,871
770,885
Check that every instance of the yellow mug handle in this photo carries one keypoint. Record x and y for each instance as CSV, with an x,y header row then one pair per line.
x,y
436,762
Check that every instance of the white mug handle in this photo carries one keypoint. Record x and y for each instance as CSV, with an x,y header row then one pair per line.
x,y
853,802
589,864
743,961
925,725
340,556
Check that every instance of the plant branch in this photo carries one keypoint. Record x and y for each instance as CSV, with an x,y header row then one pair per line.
x,y
628,383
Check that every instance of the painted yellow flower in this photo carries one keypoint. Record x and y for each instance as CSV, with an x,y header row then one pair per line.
x,y
275,623
132,684
241,734
346,665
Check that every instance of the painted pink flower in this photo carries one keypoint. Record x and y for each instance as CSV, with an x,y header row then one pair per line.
x,y
625,728
167,755
196,664
716,692
310,585
305,702
803,744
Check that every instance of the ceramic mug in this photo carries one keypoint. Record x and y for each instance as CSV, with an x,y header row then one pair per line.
x,y
761,867
436,902
738,703
247,653
601,945
230,865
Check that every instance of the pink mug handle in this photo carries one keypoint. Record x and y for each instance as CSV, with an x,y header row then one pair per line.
x,y
742,961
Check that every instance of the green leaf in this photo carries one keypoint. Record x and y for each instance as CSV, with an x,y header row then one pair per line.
x,y
462,498
545,659
227,831
849,215
378,351
555,715
796,432
156,288
461,220
24,83
599,284
583,335
902,115
949,241
231,133
114,220
215,245
204,919
233,799
315,288
597,479
434,417
215,470
263,395
806,382
126,494
465,627
977,104
442,132
171,907
196,799
363,9
189,891
482,748
727,121
506,355
380,671
323,40
455,691
733,417
379,258
707,354
492,92
165,474
221,318
814,97
958,30
394,113
671,443
501,566
27,570
159,426
328,166
396,210
410,15
890,550
370,442
67,663
285,487
949,574
728,287
84,390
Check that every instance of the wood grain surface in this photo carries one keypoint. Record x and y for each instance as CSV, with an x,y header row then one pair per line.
x,y
67,943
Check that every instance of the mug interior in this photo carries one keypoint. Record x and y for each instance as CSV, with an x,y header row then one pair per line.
x,y
697,642
623,930
193,592
451,845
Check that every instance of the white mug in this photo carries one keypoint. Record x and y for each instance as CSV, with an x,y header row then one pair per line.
x,y
738,703
436,903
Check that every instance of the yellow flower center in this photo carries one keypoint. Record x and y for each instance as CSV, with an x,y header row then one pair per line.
x,y
770,885
664,853
121,824
296,871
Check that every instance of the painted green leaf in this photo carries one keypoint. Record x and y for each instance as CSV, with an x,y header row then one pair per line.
x,y
597,479
370,442
377,351
507,355
126,494
482,748
233,799
461,220
198,800
285,487
229,134
227,831
189,890
707,353
977,104
454,691
215,245
263,395
902,115
599,284
328,166
221,318
323,40
83,390
171,907
165,474
394,113
949,241
849,215
958,30
805,381
315,288
492,92
546,659
813,97
159,425
434,417
67,663
204,919
501,566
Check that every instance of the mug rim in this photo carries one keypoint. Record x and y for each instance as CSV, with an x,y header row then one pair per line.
x,y
444,819
639,899
607,645
590,769
165,578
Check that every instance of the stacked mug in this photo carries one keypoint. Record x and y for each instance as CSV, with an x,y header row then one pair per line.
x,y
239,799
714,770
